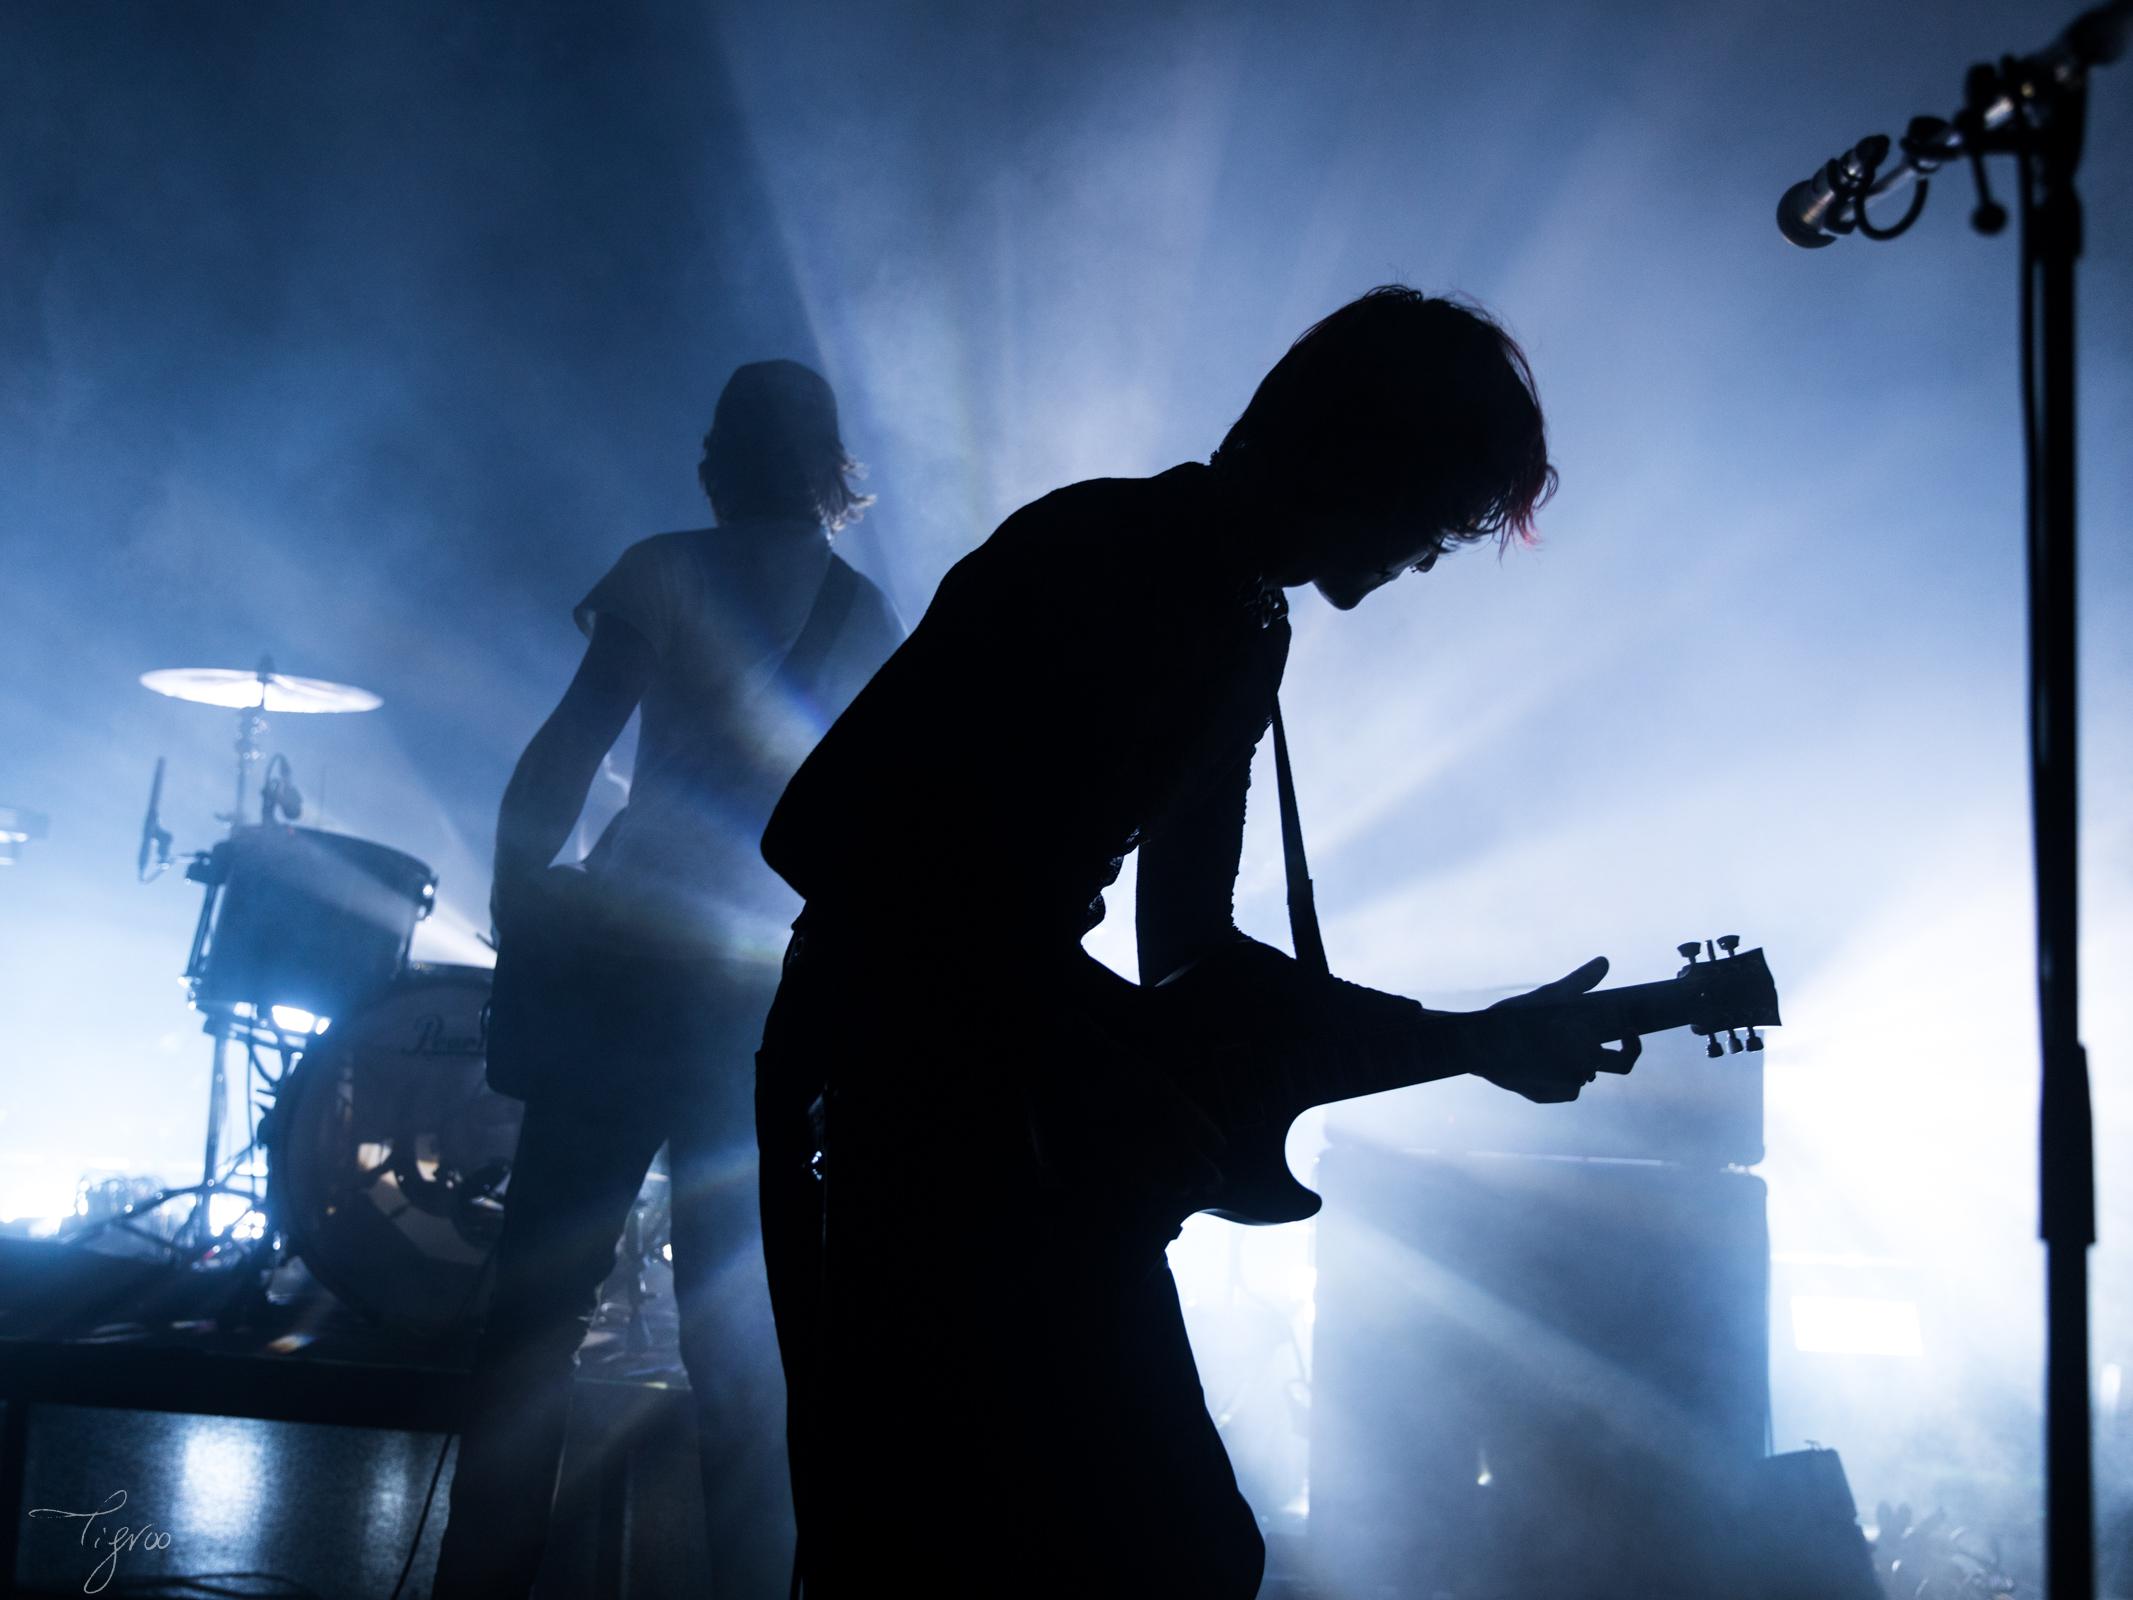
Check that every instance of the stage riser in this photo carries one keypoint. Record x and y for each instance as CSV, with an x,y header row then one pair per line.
x,y
335,1508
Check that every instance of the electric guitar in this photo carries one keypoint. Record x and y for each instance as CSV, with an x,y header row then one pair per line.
x,y
1235,1039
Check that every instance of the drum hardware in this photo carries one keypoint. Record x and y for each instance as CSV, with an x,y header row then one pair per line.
x,y
259,690
248,1238
252,695
375,1151
295,924
154,858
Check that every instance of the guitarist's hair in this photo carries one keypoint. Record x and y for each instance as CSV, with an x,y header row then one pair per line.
x,y
1401,402
774,449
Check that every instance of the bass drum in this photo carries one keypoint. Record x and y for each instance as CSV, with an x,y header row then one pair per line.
x,y
389,1154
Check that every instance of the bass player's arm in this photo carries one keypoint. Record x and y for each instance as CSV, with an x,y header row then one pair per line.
x,y
549,785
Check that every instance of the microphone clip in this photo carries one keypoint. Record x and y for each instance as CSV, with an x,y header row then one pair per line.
x,y
1851,178
278,795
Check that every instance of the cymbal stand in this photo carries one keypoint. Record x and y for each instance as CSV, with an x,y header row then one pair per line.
x,y
251,723
232,1176
197,1241
222,1027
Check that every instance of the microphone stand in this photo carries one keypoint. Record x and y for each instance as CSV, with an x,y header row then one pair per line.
x,y
2035,109
2051,244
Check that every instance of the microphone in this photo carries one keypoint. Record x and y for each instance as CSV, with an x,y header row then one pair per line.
x,y
155,840
1833,202
1814,211
279,793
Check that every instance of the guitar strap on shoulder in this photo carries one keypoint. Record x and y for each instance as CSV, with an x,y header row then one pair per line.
x,y
824,626
1303,909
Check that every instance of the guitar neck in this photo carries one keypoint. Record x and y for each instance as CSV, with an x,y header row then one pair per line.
x,y
1635,1008
1611,1014
1709,996
1254,1040
1260,1010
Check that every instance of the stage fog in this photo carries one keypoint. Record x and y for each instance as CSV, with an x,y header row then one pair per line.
x,y
364,340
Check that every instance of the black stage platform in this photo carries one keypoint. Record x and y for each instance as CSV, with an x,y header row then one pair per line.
x,y
187,1415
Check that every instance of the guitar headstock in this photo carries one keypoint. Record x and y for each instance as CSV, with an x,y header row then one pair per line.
x,y
1728,989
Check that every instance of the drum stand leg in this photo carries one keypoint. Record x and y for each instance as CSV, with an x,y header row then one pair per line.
x,y
198,1227
197,1235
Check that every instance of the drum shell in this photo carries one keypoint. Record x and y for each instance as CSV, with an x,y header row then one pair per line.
x,y
389,1158
309,919
385,1143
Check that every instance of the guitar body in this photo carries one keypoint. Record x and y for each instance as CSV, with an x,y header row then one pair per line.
x,y
1233,1034
1257,1188
1264,1191
1246,1036
552,996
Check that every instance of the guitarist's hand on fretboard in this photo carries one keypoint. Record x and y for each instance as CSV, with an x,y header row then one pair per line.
x,y
1535,1046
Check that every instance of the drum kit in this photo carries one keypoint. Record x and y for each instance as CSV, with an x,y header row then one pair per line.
x,y
376,1153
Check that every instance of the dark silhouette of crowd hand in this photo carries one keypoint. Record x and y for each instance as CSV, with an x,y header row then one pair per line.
x,y
1535,1046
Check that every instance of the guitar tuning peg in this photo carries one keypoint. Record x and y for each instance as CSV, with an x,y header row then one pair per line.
x,y
1714,1050
1755,1040
1733,1041
1690,950
1710,948
1729,942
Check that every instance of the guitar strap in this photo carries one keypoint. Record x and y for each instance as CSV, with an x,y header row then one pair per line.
x,y
1303,909
810,652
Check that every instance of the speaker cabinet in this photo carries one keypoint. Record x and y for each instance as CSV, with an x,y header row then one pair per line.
x,y
1535,1376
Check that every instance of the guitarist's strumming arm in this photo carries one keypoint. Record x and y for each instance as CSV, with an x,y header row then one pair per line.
x,y
1184,893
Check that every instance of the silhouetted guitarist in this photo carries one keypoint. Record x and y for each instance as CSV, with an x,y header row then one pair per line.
x,y
646,976
991,1388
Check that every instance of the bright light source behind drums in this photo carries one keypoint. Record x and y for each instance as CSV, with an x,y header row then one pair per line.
x,y
235,1215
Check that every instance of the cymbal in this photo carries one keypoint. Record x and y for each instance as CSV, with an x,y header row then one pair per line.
x,y
258,691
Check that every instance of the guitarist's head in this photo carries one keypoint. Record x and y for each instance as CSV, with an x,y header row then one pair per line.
x,y
1400,427
774,451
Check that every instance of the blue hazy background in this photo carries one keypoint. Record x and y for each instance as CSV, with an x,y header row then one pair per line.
x,y
367,336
